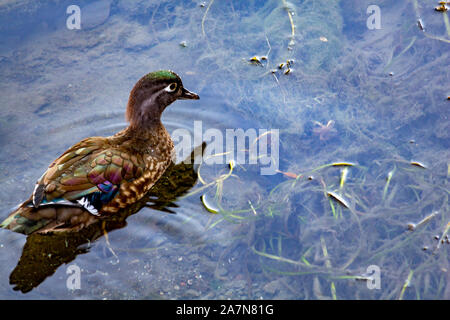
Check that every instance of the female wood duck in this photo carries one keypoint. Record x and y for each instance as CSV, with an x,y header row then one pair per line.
x,y
98,176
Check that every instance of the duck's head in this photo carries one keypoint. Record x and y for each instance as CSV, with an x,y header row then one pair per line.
x,y
152,94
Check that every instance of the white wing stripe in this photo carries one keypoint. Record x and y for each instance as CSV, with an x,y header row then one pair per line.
x,y
89,207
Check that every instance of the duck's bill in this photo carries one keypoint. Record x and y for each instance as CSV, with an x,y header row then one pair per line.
x,y
186,94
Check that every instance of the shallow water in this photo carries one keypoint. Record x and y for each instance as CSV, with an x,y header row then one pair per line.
x,y
382,92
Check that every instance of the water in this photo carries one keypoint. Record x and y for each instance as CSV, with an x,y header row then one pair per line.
x,y
383,93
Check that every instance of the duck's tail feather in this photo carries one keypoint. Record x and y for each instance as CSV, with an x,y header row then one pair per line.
x,y
27,219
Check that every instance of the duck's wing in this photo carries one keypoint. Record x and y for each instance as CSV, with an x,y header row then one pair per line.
x,y
87,176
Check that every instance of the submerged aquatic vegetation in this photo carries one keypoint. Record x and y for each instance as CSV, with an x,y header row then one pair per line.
x,y
293,236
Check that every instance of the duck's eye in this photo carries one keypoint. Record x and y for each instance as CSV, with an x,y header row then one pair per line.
x,y
171,87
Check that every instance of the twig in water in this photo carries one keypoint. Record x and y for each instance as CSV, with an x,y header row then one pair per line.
x,y
204,17
291,20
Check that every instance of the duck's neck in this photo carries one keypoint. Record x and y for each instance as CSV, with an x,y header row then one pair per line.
x,y
143,138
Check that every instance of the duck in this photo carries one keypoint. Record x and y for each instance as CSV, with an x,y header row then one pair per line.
x,y
99,176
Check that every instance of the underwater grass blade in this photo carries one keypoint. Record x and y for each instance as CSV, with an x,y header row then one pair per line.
x,y
447,24
333,291
204,17
333,209
291,20
277,258
328,265
305,261
406,284
447,228
401,53
212,225
344,173
252,207
388,181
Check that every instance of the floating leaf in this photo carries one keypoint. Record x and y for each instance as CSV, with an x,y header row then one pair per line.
x,y
208,206
338,198
288,174
339,164
418,164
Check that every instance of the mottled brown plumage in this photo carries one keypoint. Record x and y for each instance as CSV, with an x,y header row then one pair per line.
x,y
98,176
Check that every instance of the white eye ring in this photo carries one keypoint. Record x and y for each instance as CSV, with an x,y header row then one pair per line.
x,y
171,87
